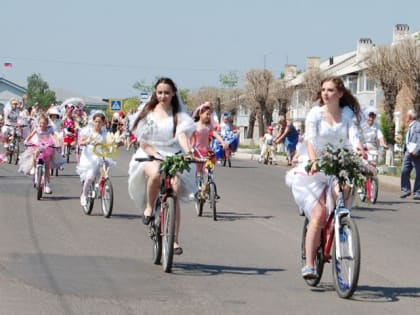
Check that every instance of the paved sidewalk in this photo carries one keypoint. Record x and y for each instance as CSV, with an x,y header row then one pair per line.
x,y
386,182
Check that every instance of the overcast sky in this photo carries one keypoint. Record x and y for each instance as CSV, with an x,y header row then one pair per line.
x,y
102,47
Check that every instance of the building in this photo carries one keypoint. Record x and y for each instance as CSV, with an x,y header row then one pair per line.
x,y
9,89
352,68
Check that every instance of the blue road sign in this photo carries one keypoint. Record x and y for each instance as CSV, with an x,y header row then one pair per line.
x,y
116,104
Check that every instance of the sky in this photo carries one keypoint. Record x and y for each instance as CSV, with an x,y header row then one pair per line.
x,y
102,47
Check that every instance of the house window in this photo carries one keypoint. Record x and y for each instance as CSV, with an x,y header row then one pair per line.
x,y
370,85
353,84
361,85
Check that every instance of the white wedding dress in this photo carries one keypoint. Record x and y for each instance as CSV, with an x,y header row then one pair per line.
x,y
307,189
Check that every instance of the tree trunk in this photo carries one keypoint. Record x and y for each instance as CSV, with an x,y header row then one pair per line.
x,y
261,129
218,108
390,98
251,123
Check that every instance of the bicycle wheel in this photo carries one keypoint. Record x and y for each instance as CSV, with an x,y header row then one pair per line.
x,y
199,201
212,199
39,176
68,149
16,150
10,154
90,199
155,235
346,268
319,259
168,233
373,190
199,205
107,196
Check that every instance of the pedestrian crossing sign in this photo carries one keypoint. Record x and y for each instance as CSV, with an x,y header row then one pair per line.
x,y
116,105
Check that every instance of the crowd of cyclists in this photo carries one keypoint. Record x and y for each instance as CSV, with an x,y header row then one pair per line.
x,y
162,127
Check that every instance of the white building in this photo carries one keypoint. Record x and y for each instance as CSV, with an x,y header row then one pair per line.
x,y
9,89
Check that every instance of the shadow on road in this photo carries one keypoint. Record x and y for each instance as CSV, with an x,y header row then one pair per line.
x,y
234,216
126,216
194,269
376,294
385,294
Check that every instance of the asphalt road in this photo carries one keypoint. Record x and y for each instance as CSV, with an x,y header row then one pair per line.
x,y
56,260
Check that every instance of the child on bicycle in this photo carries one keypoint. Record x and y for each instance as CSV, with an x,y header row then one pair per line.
x,y
268,144
204,133
90,164
42,135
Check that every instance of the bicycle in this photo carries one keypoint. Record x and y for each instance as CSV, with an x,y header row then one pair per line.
x,y
369,191
69,143
162,226
206,186
13,148
39,179
340,243
101,187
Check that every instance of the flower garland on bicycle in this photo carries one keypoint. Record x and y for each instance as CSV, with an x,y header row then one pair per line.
x,y
91,163
163,128
334,119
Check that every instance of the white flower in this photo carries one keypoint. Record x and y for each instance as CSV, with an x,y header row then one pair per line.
x,y
343,174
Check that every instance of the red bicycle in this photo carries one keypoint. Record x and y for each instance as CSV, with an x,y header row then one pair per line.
x,y
340,243
162,226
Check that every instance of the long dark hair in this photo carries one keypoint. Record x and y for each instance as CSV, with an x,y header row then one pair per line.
x,y
150,106
348,99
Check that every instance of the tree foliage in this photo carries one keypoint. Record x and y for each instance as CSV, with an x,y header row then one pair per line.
x,y
38,92
258,86
381,67
230,79
407,63
282,92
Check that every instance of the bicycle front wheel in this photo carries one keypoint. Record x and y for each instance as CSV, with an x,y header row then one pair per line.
x,y
38,182
168,233
373,190
212,199
346,267
90,199
107,198
16,150
319,259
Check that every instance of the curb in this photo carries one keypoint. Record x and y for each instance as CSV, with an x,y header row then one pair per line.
x,y
387,183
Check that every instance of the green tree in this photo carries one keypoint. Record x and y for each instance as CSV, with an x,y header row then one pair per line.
x,y
143,86
38,92
230,79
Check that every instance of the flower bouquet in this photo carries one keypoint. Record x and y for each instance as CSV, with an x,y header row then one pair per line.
x,y
340,162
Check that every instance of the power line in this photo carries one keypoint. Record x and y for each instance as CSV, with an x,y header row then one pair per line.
x,y
110,65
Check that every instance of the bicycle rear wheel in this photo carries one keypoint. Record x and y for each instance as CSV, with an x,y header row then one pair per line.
x,y
90,199
107,198
346,268
212,199
168,233
319,259
199,204
39,176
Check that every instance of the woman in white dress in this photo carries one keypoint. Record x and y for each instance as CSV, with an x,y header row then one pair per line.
x,y
162,128
334,119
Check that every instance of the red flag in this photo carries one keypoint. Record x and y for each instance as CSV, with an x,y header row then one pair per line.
x,y
8,65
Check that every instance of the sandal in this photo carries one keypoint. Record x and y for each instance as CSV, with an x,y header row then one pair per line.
x,y
178,250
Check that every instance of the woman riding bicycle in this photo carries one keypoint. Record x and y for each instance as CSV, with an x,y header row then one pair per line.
x,y
162,128
333,119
